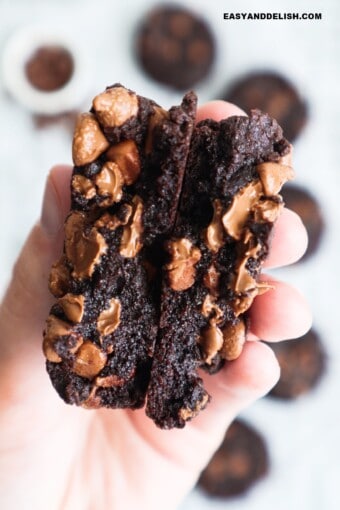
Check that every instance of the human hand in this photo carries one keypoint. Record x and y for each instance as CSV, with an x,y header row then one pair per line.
x,y
57,457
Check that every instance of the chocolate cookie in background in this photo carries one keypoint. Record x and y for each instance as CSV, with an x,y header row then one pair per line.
x,y
241,460
300,200
302,362
174,46
274,94
64,119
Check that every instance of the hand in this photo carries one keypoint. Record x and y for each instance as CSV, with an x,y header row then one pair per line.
x,y
57,457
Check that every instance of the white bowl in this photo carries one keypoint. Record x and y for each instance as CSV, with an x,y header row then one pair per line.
x,y
21,45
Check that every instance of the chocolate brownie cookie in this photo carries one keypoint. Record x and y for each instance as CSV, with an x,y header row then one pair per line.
x,y
227,209
300,200
129,157
175,47
168,228
241,460
273,94
302,362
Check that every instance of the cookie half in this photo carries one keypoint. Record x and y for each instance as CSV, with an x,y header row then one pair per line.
x,y
229,203
129,157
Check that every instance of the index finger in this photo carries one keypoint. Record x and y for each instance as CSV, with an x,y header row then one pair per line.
x,y
218,110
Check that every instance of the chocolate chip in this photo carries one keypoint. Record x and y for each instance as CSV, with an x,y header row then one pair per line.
x,y
89,360
88,140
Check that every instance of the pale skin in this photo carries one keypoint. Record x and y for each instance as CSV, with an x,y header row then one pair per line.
x,y
64,458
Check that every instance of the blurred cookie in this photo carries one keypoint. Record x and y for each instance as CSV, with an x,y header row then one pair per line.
x,y
174,46
240,461
273,94
64,119
306,206
302,363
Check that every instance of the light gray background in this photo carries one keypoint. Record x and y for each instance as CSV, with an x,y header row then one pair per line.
x,y
303,436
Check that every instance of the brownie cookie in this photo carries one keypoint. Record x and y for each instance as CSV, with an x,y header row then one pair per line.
x,y
168,228
273,94
228,205
175,47
240,461
129,157
302,362
301,201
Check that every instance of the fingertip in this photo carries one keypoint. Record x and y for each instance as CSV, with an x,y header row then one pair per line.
x,y
263,366
280,314
60,175
289,241
238,384
248,377
62,167
60,178
218,110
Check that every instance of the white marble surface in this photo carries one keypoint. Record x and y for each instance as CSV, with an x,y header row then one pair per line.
x,y
303,436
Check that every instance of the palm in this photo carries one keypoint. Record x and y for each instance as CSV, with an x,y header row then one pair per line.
x,y
88,459
64,458
58,457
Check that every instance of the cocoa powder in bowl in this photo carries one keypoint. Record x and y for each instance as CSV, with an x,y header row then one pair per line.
x,y
49,68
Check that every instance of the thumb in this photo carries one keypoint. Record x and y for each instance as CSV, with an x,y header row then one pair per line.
x,y
27,300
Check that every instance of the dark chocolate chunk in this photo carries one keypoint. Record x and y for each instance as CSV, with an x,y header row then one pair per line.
x,y
241,460
302,362
174,46
273,94
300,200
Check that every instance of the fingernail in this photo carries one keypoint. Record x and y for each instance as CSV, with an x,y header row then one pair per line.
x,y
51,219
